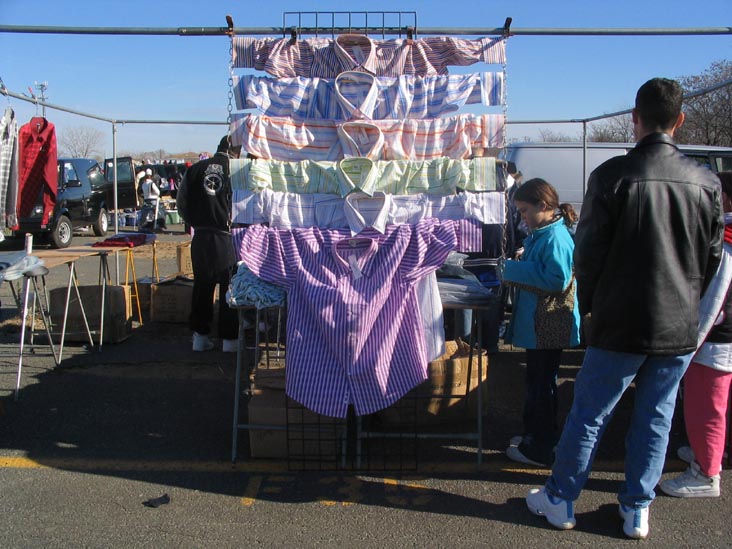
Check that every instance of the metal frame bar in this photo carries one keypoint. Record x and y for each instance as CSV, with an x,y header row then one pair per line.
x,y
458,31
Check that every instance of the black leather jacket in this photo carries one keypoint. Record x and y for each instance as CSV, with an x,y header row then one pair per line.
x,y
648,243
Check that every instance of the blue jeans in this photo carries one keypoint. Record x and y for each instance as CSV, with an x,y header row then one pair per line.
x,y
602,380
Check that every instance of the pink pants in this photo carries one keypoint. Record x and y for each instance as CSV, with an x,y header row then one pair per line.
x,y
706,394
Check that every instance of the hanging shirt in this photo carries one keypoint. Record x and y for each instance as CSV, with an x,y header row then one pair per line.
x,y
37,169
438,176
328,211
8,168
279,138
358,95
354,335
327,57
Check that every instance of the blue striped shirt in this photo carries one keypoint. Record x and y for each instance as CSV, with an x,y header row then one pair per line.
x,y
327,58
328,211
354,95
354,333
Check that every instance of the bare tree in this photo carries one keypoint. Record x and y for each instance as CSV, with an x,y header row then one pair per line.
x,y
709,116
81,142
550,136
618,129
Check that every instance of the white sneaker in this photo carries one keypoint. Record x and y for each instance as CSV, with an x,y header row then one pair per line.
x,y
692,483
201,342
559,512
685,453
230,345
635,521
516,440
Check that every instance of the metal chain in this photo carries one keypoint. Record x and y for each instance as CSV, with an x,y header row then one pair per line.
x,y
230,106
504,102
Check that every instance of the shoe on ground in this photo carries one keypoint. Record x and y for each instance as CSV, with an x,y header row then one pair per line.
x,y
635,521
230,345
516,440
692,483
559,512
514,454
201,342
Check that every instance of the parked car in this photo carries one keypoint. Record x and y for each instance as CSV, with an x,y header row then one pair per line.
x,y
82,201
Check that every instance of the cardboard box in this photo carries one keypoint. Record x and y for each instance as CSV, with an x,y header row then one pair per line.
x,y
170,300
117,313
185,265
304,434
447,395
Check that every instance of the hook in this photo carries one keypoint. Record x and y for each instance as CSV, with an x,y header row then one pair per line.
x,y
293,34
410,33
4,90
230,26
507,27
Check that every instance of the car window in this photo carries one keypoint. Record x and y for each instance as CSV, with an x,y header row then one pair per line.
x,y
124,171
66,172
96,177
723,163
701,159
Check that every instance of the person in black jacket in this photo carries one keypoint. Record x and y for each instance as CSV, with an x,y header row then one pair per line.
x,y
647,245
204,203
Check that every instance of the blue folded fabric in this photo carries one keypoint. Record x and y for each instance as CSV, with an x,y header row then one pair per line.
x,y
248,290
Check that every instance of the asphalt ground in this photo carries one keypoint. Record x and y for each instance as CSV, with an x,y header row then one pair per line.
x,y
90,440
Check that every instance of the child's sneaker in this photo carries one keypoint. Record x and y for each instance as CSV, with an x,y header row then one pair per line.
x,y
692,483
559,512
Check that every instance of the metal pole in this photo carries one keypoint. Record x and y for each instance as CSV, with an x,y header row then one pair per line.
x,y
279,31
116,198
584,158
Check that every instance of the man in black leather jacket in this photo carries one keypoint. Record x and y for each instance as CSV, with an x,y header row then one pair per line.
x,y
204,202
647,245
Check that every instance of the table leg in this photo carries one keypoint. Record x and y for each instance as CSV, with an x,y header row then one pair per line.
x,y
24,312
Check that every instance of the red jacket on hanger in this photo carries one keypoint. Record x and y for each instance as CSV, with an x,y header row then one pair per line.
x,y
37,168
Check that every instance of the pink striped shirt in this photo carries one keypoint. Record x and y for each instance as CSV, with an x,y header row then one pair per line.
x,y
327,58
276,138
354,332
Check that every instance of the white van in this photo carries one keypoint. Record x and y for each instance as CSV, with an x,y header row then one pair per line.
x,y
562,164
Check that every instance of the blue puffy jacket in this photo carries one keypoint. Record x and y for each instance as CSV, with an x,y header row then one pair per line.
x,y
540,277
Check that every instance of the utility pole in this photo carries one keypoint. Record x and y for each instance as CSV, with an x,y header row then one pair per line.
x,y
42,87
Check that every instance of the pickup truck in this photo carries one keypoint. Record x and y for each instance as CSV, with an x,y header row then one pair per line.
x,y
82,201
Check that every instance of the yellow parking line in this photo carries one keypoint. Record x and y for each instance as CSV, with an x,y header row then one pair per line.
x,y
250,494
266,467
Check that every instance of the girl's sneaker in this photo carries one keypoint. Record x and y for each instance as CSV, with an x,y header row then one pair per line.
x,y
692,483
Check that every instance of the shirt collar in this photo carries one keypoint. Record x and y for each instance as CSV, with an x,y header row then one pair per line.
x,y
358,43
357,217
355,139
367,107
362,168
364,259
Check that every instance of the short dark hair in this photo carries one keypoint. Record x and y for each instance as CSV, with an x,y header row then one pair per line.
x,y
224,144
658,103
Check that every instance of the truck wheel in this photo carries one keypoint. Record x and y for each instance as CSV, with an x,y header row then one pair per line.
x,y
102,223
62,233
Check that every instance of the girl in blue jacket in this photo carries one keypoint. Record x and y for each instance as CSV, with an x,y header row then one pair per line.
x,y
545,317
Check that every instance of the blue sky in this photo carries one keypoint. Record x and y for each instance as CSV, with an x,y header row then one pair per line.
x,y
185,78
